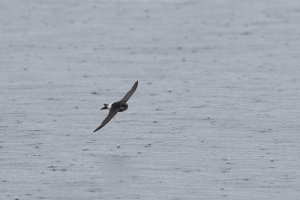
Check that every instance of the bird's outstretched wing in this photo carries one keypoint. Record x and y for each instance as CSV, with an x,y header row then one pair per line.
x,y
130,93
110,115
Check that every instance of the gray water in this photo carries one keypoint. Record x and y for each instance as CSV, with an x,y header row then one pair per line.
x,y
215,116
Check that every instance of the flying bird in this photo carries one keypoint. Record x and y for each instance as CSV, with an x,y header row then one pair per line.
x,y
118,106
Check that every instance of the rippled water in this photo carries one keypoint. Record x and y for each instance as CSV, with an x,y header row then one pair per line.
x,y
215,116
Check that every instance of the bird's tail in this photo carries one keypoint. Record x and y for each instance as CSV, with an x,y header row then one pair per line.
x,y
104,107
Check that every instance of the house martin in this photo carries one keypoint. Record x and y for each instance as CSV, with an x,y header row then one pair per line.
x,y
118,106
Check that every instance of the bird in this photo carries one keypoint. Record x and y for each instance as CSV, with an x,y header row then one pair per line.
x,y
118,106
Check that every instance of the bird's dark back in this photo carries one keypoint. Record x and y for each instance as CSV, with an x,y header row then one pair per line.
x,y
120,105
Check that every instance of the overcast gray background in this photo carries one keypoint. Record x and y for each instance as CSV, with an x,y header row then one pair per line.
x,y
215,116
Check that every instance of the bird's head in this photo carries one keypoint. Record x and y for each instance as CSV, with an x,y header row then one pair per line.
x,y
123,106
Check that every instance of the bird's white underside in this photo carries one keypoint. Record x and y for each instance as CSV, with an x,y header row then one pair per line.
x,y
109,106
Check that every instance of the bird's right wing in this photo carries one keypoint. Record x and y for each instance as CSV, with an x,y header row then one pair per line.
x,y
110,115
130,93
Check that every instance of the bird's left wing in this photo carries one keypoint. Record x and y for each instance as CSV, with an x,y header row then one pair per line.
x,y
130,93
110,115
